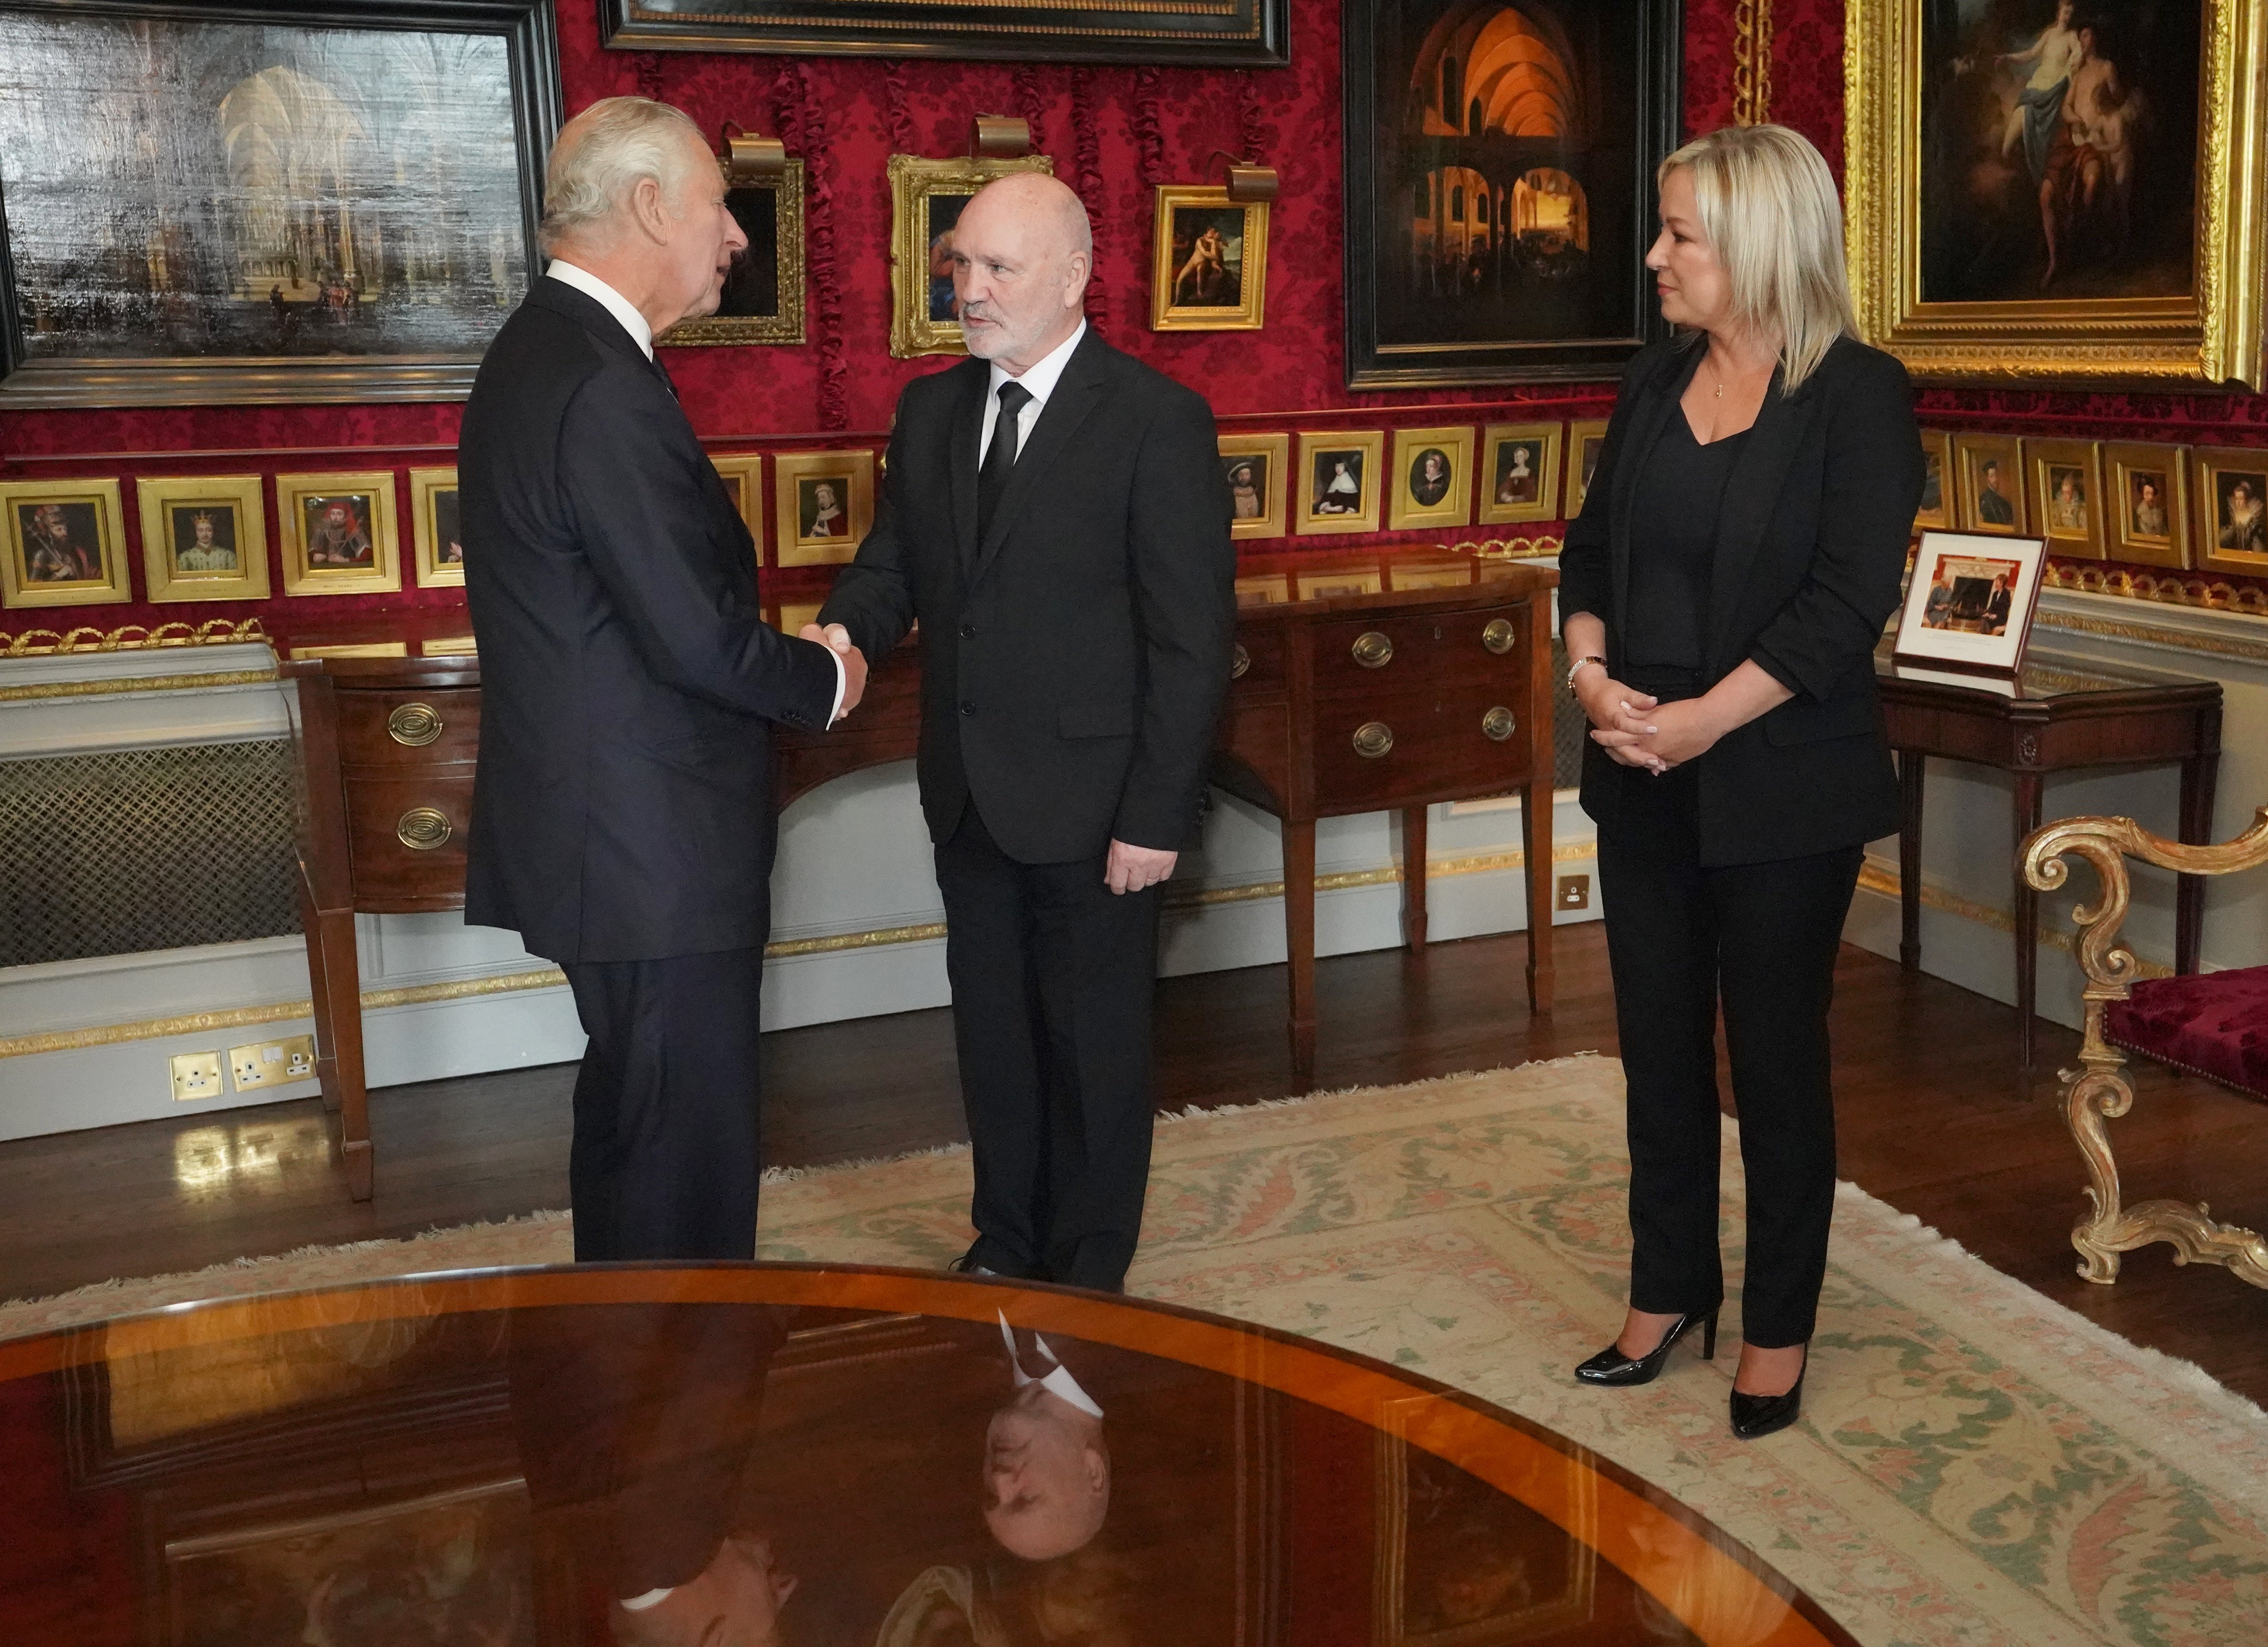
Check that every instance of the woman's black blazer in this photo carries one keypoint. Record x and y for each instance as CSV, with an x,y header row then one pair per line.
x,y
1811,544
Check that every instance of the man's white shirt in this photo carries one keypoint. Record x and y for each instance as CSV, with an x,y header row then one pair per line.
x,y
1039,383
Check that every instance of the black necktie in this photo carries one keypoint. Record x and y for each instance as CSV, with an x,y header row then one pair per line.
x,y
667,382
999,457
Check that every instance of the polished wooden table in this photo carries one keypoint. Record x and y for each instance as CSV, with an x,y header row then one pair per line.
x,y
497,1459
1362,682
2065,714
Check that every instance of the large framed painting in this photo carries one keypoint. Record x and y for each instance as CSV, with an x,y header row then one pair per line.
x,y
272,201
2045,191
1222,33
926,197
1499,186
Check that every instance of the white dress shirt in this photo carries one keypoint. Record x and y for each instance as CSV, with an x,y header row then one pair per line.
x,y
626,312
1057,1381
1039,383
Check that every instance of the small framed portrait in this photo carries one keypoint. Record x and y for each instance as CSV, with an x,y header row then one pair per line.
x,y
1258,468
1988,477
1339,482
925,201
762,301
1586,439
2230,489
1520,472
204,537
743,475
339,533
436,529
822,503
1211,268
1935,512
2146,494
1432,478
66,544
1969,606
2063,493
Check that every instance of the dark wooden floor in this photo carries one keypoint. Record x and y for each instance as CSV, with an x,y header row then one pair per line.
x,y
1929,1123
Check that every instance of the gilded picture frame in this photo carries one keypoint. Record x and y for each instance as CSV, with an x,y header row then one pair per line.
x,y
1210,269
2146,489
1226,34
1587,438
204,537
762,301
2229,496
1432,478
1340,479
1256,502
1989,485
436,532
1519,473
925,200
743,475
822,506
1951,190
65,543
1935,511
2063,495
340,533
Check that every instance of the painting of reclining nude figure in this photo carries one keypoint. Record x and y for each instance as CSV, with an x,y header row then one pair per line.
x,y
191,202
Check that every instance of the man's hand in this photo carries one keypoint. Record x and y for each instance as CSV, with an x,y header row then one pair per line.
x,y
854,661
1133,868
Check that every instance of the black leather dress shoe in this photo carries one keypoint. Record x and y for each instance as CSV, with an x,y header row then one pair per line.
x,y
1616,1370
1758,1416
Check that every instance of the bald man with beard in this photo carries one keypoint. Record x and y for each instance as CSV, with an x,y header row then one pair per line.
x,y
1055,516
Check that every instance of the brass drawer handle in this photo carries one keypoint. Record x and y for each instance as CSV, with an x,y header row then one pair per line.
x,y
1372,650
1498,636
1372,739
1243,664
1499,724
423,828
414,725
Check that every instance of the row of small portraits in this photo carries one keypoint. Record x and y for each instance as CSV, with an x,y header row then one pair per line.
x,y
2196,507
1344,483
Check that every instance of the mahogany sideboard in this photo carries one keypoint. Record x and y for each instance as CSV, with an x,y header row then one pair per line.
x,y
1366,683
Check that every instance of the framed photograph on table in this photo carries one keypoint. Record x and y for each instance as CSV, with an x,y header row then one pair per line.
x,y
925,201
1969,605
2063,493
823,505
2230,489
65,542
1258,470
1935,511
1989,480
291,202
436,530
2146,489
1520,472
1340,480
204,537
1586,439
763,300
1210,271
339,533
1432,478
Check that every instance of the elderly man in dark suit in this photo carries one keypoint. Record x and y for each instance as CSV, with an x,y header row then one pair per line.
x,y
1056,517
621,816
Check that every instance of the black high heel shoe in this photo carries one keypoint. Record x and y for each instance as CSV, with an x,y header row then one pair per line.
x,y
1616,1370
1758,1415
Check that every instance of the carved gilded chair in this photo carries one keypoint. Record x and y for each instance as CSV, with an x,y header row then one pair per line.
x,y
2097,1090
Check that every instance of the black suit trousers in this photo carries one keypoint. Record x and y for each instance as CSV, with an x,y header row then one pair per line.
x,y
1053,978
665,1157
1764,937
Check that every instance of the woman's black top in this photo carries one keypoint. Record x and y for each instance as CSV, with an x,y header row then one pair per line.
x,y
1674,512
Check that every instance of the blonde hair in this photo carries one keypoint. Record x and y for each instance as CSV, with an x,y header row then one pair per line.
x,y
604,153
1768,204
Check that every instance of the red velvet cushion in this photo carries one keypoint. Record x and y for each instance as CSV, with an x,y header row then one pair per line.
x,y
2212,1024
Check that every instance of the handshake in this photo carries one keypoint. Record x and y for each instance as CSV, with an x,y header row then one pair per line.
x,y
854,662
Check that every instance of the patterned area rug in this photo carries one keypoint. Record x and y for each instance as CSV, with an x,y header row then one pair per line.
x,y
1978,1466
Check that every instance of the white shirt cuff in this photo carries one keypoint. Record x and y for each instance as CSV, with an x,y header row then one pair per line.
x,y
650,1599
841,685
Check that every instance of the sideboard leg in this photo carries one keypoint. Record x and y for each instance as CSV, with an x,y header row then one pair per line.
x,y
1536,849
340,1000
1300,944
1413,875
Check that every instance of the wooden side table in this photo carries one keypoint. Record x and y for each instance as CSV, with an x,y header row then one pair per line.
x,y
2065,714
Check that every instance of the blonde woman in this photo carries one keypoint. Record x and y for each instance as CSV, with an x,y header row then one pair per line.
x,y
1739,551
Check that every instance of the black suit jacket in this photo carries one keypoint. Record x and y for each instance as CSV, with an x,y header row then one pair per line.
x,y
1811,545
1073,663
623,806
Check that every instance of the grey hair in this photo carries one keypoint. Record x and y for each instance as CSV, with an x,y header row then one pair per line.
x,y
603,154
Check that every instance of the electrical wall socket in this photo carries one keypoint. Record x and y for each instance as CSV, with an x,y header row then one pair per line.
x,y
272,1062
1574,892
195,1075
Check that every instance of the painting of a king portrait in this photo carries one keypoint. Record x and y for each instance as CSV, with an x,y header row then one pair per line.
x,y
2059,142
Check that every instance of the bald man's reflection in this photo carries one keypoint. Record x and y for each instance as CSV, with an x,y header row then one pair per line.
x,y
637,1426
1047,1469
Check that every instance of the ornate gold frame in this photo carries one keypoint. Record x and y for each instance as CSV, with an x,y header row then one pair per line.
x,y
1581,430
789,549
1372,444
154,499
1494,438
2205,466
115,586
2098,1091
1971,454
425,485
743,475
383,576
2120,459
786,327
1278,450
1403,512
1936,442
913,180
2212,338
2040,458
1252,290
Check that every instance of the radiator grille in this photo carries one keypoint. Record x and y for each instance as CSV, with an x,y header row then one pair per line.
x,y
135,849
1567,725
